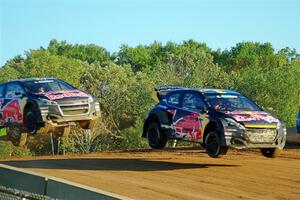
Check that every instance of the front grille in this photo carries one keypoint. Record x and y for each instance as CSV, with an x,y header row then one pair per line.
x,y
261,135
74,106
75,110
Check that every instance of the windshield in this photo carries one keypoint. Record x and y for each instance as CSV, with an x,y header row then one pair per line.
x,y
231,102
44,86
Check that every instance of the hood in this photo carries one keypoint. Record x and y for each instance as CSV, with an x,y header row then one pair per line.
x,y
63,94
254,119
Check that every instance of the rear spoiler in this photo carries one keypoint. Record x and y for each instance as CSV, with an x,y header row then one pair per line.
x,y
159,92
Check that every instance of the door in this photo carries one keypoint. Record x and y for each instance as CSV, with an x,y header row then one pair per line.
x,y
187,122
11,109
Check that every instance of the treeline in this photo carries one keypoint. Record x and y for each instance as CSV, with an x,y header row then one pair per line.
x,y
123,81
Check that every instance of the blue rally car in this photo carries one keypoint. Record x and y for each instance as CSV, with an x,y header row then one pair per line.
x,y
216,118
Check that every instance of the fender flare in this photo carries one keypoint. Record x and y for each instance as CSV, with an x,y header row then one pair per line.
x,y
215,125
159,116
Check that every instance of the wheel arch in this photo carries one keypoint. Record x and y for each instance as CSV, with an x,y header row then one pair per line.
x,y
152,118
212,126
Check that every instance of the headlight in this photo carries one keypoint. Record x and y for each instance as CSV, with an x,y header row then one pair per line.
x,y
232,123
281,126
91,99
97,106
47,102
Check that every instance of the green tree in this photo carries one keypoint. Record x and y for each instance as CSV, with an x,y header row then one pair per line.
x,y
90,53
150,57
276,90
123,95
249,54
40,63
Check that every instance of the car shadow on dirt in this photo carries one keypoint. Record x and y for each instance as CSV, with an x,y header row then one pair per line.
x,y
114,164
292,145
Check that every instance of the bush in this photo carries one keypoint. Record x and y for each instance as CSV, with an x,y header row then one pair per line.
x,y
9,150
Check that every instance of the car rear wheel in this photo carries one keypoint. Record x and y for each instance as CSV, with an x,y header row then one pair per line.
x,y
213,145
270,152
156,138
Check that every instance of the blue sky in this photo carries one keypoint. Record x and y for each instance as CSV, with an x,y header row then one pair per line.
x,y
28,25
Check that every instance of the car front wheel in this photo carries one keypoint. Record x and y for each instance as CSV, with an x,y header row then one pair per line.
x,y
213,145
156,138
30,122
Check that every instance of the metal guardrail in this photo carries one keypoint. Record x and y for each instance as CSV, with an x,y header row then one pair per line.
x,y
15,194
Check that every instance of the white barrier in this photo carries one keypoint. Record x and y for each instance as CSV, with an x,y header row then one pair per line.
x,y
20,179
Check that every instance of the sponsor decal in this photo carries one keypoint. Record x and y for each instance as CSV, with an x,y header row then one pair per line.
x,y
10,112
241,112
246,116
188,127
54,95
227,96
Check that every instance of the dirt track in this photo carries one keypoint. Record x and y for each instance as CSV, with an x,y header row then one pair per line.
x,y
178,174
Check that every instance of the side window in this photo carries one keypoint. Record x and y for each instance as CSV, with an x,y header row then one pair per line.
x,y
173,99
2,91
14,90
192,102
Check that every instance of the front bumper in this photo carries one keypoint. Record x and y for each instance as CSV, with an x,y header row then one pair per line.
x,y
63,114
255,138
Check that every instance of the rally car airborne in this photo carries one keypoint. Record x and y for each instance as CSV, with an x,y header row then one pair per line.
x,y
215,118
43,106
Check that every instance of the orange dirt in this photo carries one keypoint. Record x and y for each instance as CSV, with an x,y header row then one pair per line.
x,y
178,173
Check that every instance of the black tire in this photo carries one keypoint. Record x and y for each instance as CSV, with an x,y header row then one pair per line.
x,y
270,152
30,121
213,145
156,138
